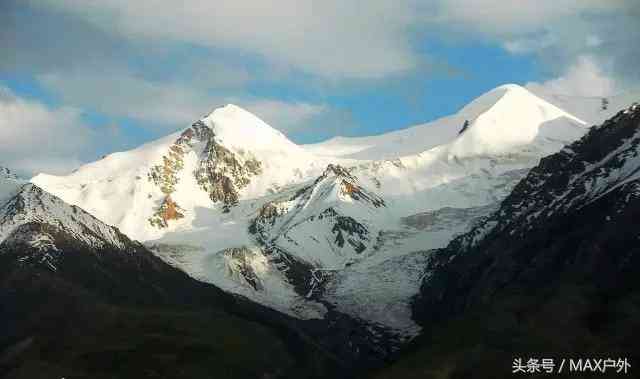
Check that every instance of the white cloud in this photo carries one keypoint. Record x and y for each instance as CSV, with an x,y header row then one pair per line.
x,y
287,117
508,18
206,46
166,104
356,39
557,33
583,78
331,38
125,95
531,44
39,138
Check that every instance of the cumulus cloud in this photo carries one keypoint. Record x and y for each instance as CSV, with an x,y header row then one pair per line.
x,y
584,78
166,104
123,94
374,39
40,138
165,64
588,47
287,117
331,38
530,44
508,18
37,137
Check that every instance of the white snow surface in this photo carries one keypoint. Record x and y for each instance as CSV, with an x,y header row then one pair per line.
x,y
506,117
425,168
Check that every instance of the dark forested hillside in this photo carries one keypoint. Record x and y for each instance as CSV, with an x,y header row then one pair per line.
x,y
80,300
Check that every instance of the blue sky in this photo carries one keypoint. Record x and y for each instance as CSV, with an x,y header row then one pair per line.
x,y
92,78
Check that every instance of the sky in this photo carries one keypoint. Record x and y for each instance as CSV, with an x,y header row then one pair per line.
x,y
80,79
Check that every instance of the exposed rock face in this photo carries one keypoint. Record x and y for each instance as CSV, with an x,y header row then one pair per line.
x,y
464,128
347,229
348,185
220,172
165,175
168,211
243,264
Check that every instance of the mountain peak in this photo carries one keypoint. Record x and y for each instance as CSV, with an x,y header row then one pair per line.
x,y
232,115
510,93
229,109
337,171
342,185
32,204
227,156
237,127
509,87
508,117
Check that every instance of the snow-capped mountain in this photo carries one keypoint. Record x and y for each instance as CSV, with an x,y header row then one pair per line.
x,y
69,282
27,214
226,156
603,168
307,230
605,160
557,265
332,218
506,117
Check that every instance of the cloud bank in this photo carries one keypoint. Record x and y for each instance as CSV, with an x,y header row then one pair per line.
x,y
163,64
36,137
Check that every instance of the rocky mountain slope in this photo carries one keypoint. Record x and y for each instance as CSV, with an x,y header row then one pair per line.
x,y
32,205
80,299
554,271
332,218
307,230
